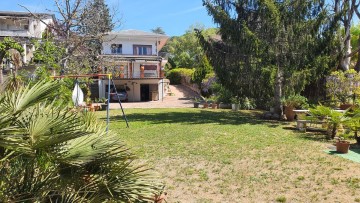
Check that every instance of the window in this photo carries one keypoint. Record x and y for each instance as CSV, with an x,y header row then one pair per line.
x,y
116,48
142,50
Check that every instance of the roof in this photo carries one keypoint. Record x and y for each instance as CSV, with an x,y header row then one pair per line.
x,y
24,14
133,33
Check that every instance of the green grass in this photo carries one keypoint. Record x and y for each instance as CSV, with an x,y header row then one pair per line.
x,y
215,155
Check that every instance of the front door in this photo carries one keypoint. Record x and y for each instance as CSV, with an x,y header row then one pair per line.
x,y
144,92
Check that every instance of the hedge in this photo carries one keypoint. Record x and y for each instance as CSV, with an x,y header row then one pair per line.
x,y
179,76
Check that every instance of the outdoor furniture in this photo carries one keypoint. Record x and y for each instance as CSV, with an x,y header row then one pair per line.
x,y
302,125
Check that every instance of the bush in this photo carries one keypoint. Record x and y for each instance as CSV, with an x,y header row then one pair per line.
x,y
179,76
295,101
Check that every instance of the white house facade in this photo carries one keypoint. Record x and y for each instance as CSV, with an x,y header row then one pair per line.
x,y
24,27
132,56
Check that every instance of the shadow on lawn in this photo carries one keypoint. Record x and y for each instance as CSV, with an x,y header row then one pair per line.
x,y
202,117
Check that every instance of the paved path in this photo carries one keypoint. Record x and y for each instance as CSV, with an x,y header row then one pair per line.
x,y
181,99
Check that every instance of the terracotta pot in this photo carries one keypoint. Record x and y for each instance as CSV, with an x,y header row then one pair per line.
x,y
214,106
162,73
142,74
342,147
345,106
290,114
121,75
206,105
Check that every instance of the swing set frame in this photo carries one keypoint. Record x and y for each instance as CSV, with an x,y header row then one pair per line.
x,y
109,77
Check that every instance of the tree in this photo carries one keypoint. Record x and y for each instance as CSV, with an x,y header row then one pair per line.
x,y
79,26
346,9
158,30
51,154
185,51
276,42
96,22
6,45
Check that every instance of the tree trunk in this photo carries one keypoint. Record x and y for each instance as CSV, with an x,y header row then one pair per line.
x,y
357,66
1,73
278,92
345,63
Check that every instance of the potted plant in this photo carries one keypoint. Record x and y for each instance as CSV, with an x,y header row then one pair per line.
x,y
235,103
206,104
342,146
103,102
214,102
353,123
121,71
291,103
196,102
332,117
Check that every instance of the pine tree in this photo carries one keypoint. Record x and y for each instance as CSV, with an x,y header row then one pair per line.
x,y
97,18
267,48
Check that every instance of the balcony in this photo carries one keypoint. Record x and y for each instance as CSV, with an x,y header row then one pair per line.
x,y
15,33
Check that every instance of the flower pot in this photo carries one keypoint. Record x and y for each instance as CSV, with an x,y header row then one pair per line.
x,y
121,75
206,105
290,114
235,107
342,147
345,106
224,106
103,107
214,106
196,104
142,71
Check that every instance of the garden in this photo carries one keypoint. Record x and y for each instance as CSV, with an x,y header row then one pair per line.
x,y
205,155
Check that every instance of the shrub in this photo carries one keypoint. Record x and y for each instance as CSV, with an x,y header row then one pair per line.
x,y
179,76
295,101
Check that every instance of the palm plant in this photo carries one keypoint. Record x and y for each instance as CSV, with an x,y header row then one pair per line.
x,y
50,154
332,117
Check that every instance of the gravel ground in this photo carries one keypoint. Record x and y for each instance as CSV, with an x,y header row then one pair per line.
x,y
181,99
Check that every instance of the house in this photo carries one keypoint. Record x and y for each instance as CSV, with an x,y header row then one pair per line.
x,y
24,27
132,56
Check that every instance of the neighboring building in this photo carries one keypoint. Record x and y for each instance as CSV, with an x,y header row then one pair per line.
x,y
24,27
133,57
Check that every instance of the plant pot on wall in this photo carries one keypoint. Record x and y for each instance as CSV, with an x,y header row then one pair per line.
x,y
121,75
214,105
289,112
196,104
142,71
342,147
103,107
235,107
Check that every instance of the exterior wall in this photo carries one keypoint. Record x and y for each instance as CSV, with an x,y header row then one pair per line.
x,y
31,27
127,45
134,94
24,27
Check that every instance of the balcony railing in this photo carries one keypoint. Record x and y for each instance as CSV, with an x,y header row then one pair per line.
x,y
15,33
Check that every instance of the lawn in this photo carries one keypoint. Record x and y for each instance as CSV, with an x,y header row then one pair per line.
x,y
223,156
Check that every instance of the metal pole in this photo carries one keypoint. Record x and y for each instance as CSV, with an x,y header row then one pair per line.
x,y
162,89
108,106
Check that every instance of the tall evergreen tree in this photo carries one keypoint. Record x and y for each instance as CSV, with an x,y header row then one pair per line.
x,y
96,22
97,18
268,48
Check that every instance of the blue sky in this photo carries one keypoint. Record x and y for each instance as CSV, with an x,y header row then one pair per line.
x,y
174,16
